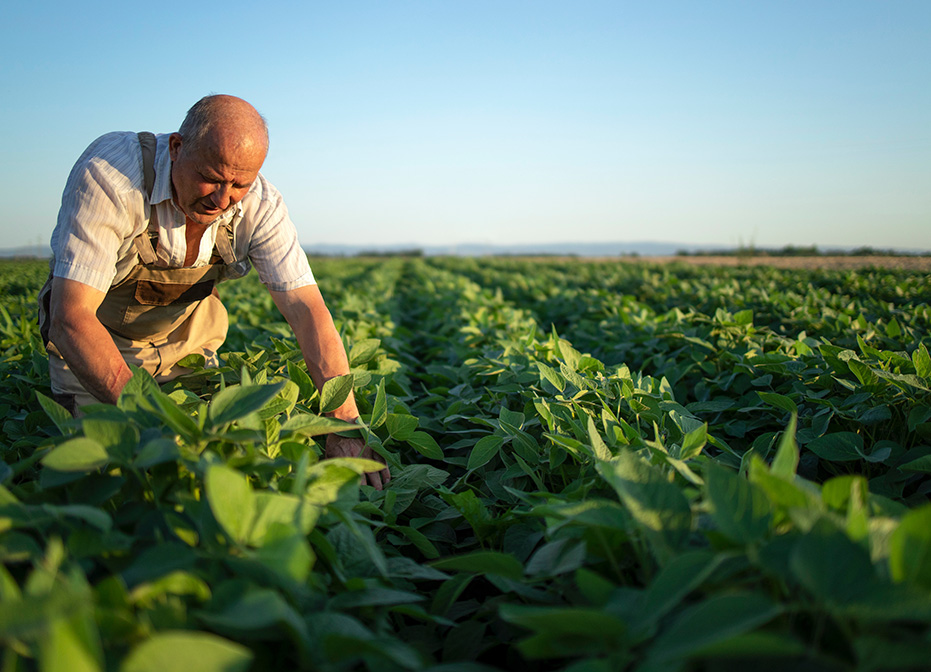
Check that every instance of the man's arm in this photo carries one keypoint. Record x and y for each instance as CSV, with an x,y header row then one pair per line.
x,y
84,343
325,356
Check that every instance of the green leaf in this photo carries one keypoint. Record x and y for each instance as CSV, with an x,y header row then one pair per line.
x,y
278,508
712,621
893,330
373,597
232,501
570,355
922,361
187,651
910,548
194,361
552,376
566,631
785,463
238,401
838,447
363,351
335,391
739,508
175,583
119,439
483,562
599,447
300,378
882,652
693,442
839,492
784,493
156,451
308,424
175,417
510,421
80,454
157,561
483,451
331,480
674,582
779,401
743,317
401,426
55,411
658,506
71,645
426,445
140,386
921,465
285,551
345,639
555,558
761,645
831,566
380,407
89,514
257,609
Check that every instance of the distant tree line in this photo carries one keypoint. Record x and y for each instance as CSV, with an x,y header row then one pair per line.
x,y
799,251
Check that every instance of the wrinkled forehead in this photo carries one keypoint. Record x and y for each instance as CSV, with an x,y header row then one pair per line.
x,y
237,151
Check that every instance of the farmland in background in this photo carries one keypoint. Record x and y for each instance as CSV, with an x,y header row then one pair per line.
x,y
596,467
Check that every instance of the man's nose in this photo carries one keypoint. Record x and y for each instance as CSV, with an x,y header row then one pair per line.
x,y
222,196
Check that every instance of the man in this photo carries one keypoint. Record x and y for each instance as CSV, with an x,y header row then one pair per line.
x,y
146,228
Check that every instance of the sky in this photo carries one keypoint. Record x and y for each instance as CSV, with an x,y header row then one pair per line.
x,y
446,122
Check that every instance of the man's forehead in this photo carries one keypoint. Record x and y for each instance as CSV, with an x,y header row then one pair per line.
x,y
226,157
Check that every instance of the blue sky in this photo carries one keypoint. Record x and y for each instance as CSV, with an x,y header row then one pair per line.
x,y
442,122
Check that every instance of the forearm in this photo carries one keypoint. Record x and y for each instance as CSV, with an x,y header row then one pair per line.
x,y
83,342
326,359
319,341
89,351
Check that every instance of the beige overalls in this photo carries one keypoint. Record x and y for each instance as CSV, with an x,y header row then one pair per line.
x,y
155,315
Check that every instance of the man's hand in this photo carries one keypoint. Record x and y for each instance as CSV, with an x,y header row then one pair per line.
x,y
339,446
323,351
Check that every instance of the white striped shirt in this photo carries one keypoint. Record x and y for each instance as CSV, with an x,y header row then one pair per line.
x,y
104,207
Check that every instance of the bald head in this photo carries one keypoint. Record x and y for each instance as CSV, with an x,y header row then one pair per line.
x,y
224,122
216,156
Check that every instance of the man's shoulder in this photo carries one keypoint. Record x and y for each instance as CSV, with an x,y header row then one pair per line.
x,y
114,158
117,143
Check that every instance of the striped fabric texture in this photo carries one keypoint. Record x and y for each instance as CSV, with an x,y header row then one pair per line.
x,y
104,207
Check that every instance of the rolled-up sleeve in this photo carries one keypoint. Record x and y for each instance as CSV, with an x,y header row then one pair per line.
x,y
273,245
100,208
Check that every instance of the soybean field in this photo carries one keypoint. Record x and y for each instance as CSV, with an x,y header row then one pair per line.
x,y
597,467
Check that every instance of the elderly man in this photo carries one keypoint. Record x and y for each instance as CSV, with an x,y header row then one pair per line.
x,y
147,227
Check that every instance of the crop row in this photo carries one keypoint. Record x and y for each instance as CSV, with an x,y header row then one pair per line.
x,y
595,467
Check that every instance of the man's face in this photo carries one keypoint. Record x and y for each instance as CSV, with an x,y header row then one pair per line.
x,y
212,177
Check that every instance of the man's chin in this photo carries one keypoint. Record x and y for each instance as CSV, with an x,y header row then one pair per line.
x,y
201,217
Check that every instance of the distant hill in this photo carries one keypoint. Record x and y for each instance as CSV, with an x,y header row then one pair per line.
x,y
601,249
485,249
37,251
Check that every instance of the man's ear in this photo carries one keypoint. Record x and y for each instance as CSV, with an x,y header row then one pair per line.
x,y
174,146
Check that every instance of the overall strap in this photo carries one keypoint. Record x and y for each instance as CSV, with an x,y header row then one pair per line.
x,y
143,243
224,244
147,143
